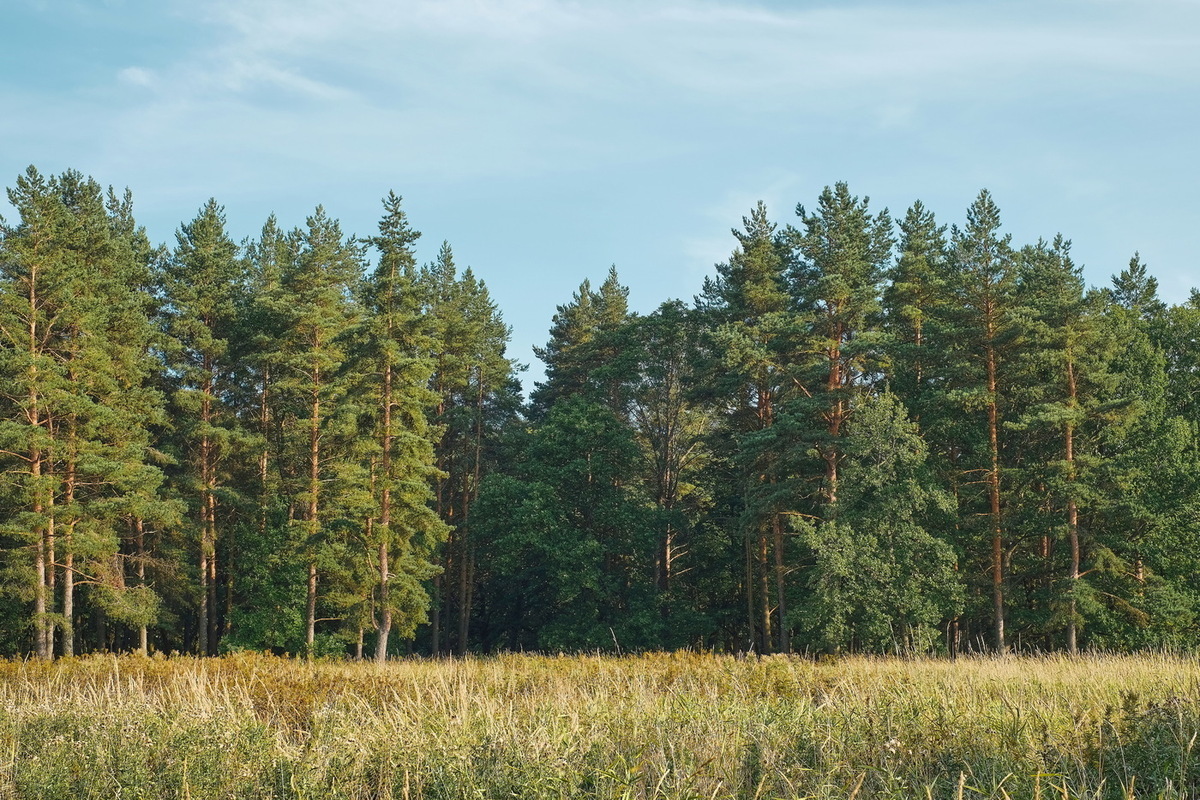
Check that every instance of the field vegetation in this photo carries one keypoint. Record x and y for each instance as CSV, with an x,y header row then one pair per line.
x,y
653,726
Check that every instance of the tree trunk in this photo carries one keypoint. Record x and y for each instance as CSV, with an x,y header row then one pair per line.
x,y
837,415
385,522
466,576
68,609
310,628
42,563
764,589
751,643
51,579
312,514
785,643
140,533
435,616
208,554
766,417
1072,516
994,503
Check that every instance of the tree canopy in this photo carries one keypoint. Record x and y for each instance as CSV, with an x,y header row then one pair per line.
x,y
865,434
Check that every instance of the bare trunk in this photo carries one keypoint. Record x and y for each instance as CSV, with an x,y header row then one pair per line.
x,y
766,416
227,623
51,579
202,616
837,416
68,608
994,504
40,609
751,643
764,589
208,519
785,643
139,528
385,523
466,565
919,372
310,634
385,611
435,616
312,514
1072,516
42,561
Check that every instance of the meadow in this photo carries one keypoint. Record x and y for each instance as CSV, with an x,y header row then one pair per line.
x,y
656,726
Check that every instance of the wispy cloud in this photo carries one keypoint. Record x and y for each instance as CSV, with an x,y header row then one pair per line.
x,y
532,82
763,98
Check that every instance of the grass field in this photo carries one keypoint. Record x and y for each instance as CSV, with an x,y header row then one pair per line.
x,y
656,726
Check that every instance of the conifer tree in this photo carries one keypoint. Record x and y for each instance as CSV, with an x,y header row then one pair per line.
x,y
672,428
1137,291
37,316
471,377
1065,386
405,529
913,304
982,285
317,308
843,252
202,282
756,333
584,355
76,356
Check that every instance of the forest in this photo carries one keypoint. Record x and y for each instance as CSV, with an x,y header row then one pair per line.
x,y
863,434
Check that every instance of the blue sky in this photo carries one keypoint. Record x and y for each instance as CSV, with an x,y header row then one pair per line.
x,y
546,139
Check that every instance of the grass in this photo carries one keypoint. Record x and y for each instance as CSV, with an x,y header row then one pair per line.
x,y
657,726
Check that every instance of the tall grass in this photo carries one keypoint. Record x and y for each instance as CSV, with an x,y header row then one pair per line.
x,y
656,726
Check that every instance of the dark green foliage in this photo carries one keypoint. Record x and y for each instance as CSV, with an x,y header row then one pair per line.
x,y
862,437
576,539
881,580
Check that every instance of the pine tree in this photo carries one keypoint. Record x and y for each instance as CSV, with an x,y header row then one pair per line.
x,y
1136,291
202,282
316,304
1067,384
37,317
843,252
755,335
472,386
405,529
1150,461
982,285
672,428
583,355
913,303
76,353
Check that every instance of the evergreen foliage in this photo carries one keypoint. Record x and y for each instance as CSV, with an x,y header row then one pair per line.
x,y
863,436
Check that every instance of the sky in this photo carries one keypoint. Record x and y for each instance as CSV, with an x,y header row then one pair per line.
x,y
546,140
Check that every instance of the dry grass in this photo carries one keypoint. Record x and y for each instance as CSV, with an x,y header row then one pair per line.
x,y
657,726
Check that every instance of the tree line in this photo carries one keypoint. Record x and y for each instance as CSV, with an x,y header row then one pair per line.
x,y
863,434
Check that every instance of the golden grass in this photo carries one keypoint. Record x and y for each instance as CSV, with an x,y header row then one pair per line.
x,y
656,726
